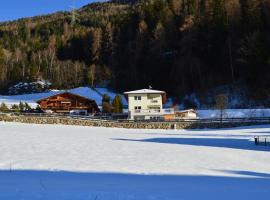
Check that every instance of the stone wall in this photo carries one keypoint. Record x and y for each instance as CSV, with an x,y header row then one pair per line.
x,y
115,124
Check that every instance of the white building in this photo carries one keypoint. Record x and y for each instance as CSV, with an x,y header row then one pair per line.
x,y
147,104
186,114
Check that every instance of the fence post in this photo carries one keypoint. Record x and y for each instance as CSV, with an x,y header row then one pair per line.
x,y
174,127
256,140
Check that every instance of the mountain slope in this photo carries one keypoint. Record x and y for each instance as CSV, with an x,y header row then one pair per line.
x,y
174,45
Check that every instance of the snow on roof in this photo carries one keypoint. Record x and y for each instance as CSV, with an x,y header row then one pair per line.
x,y
85,92
145,91
88,93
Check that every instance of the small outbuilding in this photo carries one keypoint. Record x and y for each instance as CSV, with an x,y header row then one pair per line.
x,y
186,114
66,101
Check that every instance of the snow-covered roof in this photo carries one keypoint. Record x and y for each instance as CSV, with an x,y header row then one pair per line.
x,y
145,91
86,92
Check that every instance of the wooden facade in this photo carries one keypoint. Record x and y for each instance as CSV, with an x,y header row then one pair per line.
x,y
65,102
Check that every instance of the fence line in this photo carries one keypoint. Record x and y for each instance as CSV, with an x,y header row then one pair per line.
x,y
262,140
109,118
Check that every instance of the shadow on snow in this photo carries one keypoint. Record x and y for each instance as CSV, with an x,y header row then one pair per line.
x,y
243,144
46,185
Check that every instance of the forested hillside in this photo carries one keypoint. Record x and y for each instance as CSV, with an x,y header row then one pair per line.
x,y
180,46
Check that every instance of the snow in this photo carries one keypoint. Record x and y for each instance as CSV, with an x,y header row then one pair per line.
x,y
88,93
72,162
25,87
81,91
238,97
234,113
111,94
26,98
145,91
169,103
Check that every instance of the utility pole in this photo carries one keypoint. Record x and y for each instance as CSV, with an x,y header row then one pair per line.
x,y
74,14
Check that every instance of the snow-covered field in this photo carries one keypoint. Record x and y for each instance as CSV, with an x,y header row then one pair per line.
x,y
83,163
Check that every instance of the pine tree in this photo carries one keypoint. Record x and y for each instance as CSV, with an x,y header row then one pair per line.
x,y
15,108
106,98
117,104
106,106
38,108
26,106
21,106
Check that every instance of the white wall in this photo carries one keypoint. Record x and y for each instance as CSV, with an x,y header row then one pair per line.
x,y
147,100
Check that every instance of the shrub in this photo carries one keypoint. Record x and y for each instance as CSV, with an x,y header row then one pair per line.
x,y
3,107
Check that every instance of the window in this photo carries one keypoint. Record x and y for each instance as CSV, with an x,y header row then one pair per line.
x,y
138,107
136,98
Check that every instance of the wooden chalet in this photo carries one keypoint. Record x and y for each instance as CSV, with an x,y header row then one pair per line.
x,y
66,101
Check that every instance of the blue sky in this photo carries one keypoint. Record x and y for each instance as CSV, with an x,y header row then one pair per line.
x,y
14,9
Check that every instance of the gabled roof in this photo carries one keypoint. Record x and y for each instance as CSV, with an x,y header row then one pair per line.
x,y
66,92
145,91
84,92
88,93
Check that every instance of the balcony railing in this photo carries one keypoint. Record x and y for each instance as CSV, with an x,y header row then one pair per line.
x,y
152,111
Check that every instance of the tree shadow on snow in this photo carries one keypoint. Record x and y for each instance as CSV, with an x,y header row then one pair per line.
x,y
46,185
233,128
243,144
247,173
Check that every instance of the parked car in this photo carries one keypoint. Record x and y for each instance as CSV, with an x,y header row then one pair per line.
x,y
33,111
79,112
48,111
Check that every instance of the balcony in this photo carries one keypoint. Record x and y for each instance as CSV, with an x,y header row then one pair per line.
x,y
152,112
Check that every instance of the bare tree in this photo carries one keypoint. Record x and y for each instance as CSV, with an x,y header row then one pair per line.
x,y
95,43
91,74
221,104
